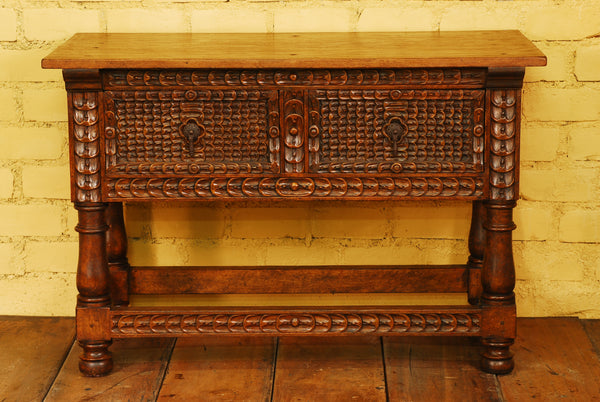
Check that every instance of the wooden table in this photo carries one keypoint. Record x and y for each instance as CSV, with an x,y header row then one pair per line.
x,y
322,116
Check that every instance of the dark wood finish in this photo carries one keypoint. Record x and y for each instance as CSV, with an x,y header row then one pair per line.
x,y
221,369
268,79
298,279
330,369
93,301
32,352
498,270
282,321
444,370
116,250
353,116
556,362
140,367
300,188
498,280
476,251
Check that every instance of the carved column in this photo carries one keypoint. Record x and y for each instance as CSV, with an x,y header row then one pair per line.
x,y
498,272
476,250
498,280
116,248
93,301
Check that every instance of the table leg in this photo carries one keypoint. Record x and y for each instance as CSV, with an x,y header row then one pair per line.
x,y
498,279
116,250
476,249
93,301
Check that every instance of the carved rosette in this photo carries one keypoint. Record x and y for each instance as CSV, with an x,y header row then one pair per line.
x,y
338,77
294,323
86,146
297,187
503,143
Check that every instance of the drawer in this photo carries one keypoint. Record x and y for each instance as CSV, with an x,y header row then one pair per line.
x,y
190,132
396,131
194,139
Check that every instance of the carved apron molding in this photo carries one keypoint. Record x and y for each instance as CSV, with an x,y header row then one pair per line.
x,y
295,323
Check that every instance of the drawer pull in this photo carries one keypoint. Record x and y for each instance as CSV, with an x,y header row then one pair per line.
x,y
395,130
191,131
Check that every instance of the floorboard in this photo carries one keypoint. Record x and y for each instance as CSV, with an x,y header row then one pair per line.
x,y
220,369
329,369
592,329
555,360
139,368
436,369
32,350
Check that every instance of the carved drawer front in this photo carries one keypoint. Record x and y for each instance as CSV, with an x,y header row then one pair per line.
x,y
191,132
396,131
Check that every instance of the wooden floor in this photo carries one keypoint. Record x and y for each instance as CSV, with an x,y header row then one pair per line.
x,y
556,358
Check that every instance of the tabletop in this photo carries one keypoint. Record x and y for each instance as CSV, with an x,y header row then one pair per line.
x,y
296,50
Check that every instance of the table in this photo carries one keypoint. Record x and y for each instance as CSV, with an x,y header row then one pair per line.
x,y
306,116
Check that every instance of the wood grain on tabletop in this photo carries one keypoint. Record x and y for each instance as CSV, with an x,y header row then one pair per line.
x,y
297,50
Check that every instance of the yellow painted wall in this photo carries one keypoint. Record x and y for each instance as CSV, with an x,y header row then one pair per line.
x,y
557,250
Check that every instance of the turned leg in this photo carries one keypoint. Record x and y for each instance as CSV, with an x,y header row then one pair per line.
x,y
498,280
476,249
93,302
116,250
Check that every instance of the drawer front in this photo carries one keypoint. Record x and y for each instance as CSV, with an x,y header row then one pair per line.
x,y
397,131
399,134
181,132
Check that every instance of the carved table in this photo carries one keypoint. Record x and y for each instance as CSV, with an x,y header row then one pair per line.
x,y
344,116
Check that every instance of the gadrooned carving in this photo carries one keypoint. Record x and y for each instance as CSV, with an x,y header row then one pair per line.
x,y
86,147
299,187
503,113
319,77
294,323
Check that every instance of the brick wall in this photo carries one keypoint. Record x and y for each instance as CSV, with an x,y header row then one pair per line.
x,y
557,249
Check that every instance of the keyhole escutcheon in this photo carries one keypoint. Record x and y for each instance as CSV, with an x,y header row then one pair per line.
x,y
395,130
192,132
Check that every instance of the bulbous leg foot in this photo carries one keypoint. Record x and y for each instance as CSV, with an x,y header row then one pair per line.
x,y
96,360
496,357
